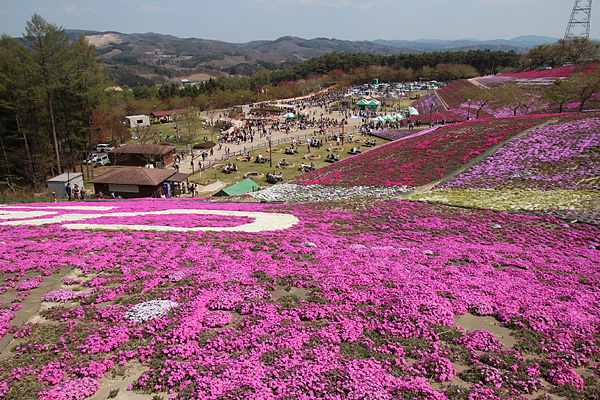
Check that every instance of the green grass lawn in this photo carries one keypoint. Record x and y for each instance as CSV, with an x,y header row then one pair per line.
x,y
244,167
166,133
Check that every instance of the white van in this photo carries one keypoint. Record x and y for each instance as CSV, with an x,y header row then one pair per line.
x,y
103,160
101,148
91,159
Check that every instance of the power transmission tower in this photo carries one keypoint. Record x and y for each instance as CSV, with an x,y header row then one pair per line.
x,y
579,23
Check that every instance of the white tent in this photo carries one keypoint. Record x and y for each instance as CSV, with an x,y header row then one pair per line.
x,y
413,111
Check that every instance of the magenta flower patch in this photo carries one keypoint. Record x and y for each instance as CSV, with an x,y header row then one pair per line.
x,y
343,303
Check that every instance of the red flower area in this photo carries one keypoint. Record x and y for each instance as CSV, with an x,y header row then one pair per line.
x,y
456,93
421,159
560,72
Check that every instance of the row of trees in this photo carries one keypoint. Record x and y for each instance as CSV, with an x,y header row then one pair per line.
x,y
564,51
49,86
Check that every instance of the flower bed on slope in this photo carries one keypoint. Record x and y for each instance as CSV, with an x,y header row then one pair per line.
x,y
423,158
423,104
345,304
560,72
457,92
564,155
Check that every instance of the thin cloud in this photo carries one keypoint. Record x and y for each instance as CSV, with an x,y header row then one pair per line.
x,y
72,9
373,4
150,8
273,5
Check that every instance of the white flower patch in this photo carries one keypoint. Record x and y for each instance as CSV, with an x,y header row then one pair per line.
x,y
150,310
262,221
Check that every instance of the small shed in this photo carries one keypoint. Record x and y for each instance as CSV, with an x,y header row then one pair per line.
x,y
131,183
176,182
243,187
135,121
58,183
167,116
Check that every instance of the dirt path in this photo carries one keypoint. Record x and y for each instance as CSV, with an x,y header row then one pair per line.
x,y
441,100
476,83
31,304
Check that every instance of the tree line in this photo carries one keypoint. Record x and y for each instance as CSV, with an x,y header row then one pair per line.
x,y
49,86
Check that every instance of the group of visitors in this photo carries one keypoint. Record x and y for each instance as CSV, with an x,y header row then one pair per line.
x,y
274,177
307,167
332,158
73,193
229,168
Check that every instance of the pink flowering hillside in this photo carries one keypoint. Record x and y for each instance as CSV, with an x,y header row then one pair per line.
x,y
562,155
559,72
393,300
547,75
456,93
422,158
424,103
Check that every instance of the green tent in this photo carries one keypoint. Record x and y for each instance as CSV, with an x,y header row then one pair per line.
x,y
365,102
243,187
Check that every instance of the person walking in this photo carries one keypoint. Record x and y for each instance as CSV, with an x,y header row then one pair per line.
x,y
68,190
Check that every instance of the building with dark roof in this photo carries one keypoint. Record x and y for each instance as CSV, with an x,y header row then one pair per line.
x,y
139,155
133,182
166,116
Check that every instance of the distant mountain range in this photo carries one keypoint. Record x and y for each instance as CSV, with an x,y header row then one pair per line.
x,y
245,58
519,44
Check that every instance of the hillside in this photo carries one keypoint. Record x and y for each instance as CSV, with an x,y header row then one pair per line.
x,y
423,157
173,52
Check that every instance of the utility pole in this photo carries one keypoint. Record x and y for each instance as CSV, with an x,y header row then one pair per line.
x,y
579,23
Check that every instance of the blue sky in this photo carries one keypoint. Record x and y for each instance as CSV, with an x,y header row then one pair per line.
x,y
242,21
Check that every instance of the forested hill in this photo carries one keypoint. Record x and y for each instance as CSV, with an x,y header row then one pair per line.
x,y
247,58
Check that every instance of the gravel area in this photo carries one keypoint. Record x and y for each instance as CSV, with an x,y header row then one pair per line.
x,y
292,193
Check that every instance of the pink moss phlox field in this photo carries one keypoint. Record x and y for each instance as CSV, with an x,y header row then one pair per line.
x,y
562,155
422,158
60,296
345,304
30,284
547,74
454,94
76,389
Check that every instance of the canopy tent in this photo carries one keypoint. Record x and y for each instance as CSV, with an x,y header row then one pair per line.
x,y
399,116
290,115
243,187
388,118
413,111
370,103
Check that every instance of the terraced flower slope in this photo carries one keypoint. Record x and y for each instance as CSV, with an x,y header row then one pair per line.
x,y
421,159
563,155
391,300
455,94
556,167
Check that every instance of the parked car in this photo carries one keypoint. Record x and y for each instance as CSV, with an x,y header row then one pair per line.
x,y
91,159
103,160
103,148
